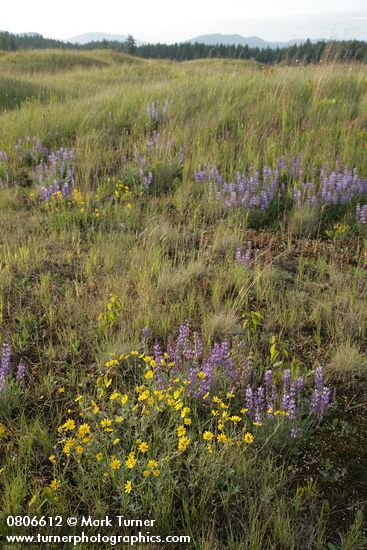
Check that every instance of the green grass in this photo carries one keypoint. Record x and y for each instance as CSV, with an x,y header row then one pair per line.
x,y
169,258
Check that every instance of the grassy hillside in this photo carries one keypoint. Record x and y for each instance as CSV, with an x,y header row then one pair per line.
x,y
183,283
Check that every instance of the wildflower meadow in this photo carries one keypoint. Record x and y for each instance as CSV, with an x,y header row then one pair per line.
x,y
183,298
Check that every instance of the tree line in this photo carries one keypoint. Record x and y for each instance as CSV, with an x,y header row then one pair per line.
x,y
307,52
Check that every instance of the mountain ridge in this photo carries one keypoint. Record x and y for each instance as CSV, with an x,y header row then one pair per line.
x,y
251,41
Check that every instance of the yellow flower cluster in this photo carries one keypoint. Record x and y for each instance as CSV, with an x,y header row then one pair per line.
x,y
78,200
114,432
121,192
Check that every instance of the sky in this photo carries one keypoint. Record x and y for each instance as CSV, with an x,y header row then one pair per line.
x,y
171,21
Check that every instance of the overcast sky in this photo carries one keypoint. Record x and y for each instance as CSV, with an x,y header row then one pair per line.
x,y
170,21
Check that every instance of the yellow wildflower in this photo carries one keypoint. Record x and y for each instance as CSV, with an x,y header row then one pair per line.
x,y
99,457
183,443
130,461
115,463
146,473
249,438
52,458
181,431
207,436
69,425
84,430
106,423
144,395
222,438
185,411
128,487
55,484
156,473
143,447
152,464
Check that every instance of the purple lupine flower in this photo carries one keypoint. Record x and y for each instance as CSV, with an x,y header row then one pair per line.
x,y
5,367
188,351
198,347
172,352
287,379
249,400
319,377
257,415
325,399
182,336
21,371
285,401
158,357
321,394
268,377
146,333
361,214
193,377
259,398
55,173
291,409
300,384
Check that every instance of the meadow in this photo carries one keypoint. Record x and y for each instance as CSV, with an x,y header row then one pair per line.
x,y
183,297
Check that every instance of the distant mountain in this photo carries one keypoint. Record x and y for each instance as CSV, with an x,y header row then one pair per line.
x,y
237,39
98,37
